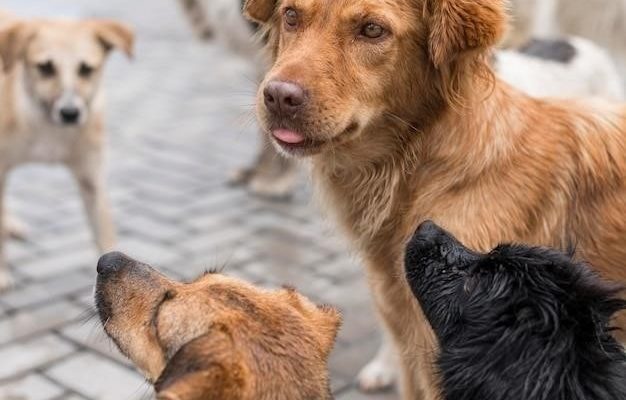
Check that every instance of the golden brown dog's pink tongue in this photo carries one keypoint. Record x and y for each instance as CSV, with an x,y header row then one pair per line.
x,y
287,136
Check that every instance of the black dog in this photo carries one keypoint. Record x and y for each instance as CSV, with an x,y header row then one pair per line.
x,y
518,323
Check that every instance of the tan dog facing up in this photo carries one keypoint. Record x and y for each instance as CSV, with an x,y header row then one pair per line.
x,y
216,338
52,106
396,104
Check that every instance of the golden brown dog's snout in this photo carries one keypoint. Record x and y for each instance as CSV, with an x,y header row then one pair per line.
x,y
284,99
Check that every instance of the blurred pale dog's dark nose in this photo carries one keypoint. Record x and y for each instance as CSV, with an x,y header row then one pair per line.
x,y
70,115
112,262
284,98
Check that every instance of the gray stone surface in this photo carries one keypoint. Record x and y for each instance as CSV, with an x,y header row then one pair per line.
x,y
179,121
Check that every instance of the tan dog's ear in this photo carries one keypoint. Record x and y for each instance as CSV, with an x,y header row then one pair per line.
x,y
207,368
328,324
259,10
14,41
459,26
113,34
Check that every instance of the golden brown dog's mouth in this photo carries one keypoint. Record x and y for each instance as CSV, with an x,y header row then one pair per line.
x,y
296,143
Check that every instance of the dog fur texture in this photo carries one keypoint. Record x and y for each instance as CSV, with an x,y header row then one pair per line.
x,y
52,105
216,338
396,105
517,323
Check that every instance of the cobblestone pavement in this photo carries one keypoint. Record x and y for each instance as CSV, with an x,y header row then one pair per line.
x,y
180,119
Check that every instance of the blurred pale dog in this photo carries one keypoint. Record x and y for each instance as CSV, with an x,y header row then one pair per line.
x,y
603,21
52,106
588,72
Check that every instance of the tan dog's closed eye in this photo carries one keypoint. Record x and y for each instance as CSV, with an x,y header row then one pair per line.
x,y
216,337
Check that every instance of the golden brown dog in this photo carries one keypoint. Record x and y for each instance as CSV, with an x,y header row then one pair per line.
x,y
218,337
404,121
51,105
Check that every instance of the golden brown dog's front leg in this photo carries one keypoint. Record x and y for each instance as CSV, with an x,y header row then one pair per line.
x,y
90,177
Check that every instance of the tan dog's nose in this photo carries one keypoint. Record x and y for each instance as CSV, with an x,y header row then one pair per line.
x,y
284,98
111,262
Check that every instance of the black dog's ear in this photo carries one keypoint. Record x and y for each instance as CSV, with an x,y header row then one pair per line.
x,y
206,368
260,10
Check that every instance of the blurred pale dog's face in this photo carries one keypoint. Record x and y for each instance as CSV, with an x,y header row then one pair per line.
x,y
63,62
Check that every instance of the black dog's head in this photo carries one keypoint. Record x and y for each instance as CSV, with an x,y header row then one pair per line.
x,y
518,322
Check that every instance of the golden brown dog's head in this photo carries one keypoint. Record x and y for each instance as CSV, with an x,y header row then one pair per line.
x,y
62,62
217,337
342,66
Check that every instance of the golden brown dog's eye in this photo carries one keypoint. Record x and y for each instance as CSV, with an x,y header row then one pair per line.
x,y
372,31
85,70
46,69
291,18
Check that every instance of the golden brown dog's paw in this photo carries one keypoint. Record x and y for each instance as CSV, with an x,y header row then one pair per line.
x,y
378,375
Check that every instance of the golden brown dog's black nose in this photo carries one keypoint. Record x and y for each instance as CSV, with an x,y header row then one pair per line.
x,y
284,98
112,262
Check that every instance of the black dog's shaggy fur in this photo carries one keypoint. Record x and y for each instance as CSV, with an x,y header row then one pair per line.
x,y
518,323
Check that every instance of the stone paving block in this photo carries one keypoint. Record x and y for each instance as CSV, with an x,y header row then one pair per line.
x,y
112,382
91,335
30,354
26,322
62,262
31,387
354,394
149,251
49,290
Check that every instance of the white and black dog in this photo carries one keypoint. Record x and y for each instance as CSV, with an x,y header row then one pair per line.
x,y
603,21
564,68
518,323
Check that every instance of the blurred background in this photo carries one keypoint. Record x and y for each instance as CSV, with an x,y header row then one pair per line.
x,y
180,120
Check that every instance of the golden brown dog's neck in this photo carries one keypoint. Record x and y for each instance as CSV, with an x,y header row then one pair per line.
x,y
395,157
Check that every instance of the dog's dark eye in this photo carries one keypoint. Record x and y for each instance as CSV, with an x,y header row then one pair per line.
x,y
85,70
291,18
46,69
372,31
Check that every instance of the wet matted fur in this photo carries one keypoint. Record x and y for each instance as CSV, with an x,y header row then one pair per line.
x,y
404,121
216,338
517,323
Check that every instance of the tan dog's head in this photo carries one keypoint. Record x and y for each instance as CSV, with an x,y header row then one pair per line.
x,y
341,66
217,337
62,62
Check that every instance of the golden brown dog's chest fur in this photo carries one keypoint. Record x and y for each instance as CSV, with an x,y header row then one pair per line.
x,y
500,172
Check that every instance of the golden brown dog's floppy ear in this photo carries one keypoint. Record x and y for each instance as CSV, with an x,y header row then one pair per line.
x,y
113,34
459,26
14,41
260,10
207,368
